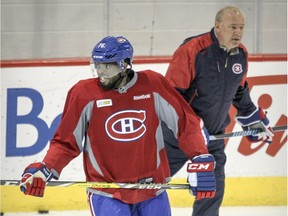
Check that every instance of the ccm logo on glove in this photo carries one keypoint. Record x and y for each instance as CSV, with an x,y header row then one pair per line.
x,y
200,167
201,176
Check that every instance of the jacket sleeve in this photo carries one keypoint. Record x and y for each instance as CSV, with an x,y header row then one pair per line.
x,y
242,101
181,70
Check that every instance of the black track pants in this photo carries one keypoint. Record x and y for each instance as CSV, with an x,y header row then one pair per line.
x,y
203,207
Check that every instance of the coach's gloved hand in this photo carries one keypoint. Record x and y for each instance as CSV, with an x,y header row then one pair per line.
x,y
201,176
257,120
34,179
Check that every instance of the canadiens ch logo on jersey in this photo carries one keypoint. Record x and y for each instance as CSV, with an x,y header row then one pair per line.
x,y
126,125
237,68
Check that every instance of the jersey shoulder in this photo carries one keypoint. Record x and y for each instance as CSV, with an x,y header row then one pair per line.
x,y
151,76
154,81
85,89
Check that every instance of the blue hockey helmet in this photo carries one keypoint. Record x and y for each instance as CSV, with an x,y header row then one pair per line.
x,y
113,49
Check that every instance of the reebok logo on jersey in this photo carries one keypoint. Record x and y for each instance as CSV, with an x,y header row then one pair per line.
x,y
104,103
140,97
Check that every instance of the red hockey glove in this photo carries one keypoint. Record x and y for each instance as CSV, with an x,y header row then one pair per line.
x,y
201,176
34,179
257,120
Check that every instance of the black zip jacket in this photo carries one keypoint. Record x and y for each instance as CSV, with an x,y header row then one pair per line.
x,y
211,80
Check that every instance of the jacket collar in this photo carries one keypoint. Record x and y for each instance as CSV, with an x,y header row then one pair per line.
x,y
214,37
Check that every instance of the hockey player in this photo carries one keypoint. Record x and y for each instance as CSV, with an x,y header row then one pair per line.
x,y
209,71
114,120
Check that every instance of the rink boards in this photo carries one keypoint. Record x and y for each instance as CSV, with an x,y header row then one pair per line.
x,y
33,95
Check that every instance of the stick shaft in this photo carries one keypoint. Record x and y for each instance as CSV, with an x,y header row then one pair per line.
x,y
245,133
138,185
104,185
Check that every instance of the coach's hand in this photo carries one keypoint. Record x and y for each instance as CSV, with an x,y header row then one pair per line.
x,y
34,179
257,120
201,176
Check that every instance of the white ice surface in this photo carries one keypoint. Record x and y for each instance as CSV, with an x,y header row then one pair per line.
x,y
225,211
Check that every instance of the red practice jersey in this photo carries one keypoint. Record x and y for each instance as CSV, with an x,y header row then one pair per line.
x,y
119,133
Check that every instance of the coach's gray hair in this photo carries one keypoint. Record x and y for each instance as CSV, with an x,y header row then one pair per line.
x,y
222,11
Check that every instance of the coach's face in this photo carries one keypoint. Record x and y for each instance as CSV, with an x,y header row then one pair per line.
x,y
230,29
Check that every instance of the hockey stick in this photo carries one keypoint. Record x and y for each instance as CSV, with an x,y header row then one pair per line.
x,y
104,185
138,185
245,133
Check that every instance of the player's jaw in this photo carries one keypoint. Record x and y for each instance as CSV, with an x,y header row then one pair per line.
x,y
109,82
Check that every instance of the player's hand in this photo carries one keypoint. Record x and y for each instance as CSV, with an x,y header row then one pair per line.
x,y
34,178
257,120
201,176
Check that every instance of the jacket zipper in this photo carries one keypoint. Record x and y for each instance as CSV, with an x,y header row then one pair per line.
x,y
224,89
226,61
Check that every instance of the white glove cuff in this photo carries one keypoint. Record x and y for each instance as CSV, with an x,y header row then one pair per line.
x,y
192,179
